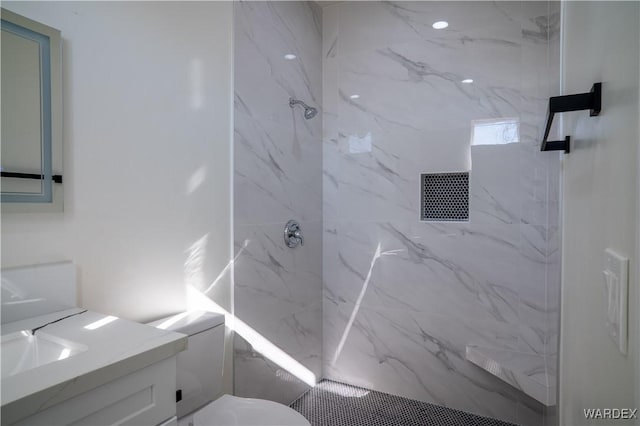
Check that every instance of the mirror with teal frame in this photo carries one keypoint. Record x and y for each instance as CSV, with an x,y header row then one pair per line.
x,y
31,148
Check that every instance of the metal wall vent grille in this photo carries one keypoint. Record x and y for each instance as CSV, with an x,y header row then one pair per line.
x,y
445,197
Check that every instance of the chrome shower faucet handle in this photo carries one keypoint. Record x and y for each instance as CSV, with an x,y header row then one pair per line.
x,y
293,234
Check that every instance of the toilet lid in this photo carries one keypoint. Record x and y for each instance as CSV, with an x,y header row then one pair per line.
x,y
231,410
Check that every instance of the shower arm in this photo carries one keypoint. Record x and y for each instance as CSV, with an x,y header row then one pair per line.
x,y
309,112
293,102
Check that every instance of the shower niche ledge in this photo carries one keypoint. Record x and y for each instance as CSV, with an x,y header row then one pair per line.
x,y
531,373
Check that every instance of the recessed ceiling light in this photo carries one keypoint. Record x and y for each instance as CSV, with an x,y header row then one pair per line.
x,y
290,56
467,80
440,25
354,96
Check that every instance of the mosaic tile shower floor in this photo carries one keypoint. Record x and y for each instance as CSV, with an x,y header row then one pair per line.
x,y
336,404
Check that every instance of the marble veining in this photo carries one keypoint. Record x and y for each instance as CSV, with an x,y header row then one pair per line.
x,y
533,374
402,299
277,176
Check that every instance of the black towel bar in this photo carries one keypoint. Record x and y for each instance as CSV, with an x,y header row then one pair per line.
x,y
591,101
55,178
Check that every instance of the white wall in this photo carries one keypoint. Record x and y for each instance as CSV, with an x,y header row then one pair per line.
x,y
601,43
147,141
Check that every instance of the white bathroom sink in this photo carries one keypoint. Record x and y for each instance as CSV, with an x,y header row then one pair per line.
x,y
23,351
72,351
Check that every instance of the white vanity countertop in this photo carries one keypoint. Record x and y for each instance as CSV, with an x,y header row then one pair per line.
x,y
114,349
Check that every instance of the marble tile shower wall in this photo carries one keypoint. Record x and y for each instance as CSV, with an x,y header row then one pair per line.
x,y
278,176
403,298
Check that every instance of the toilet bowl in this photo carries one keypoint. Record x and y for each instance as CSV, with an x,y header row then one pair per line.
x,y
231,410
199,379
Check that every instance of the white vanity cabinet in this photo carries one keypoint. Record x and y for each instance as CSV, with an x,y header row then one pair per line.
x,y
106,371
79,367
144,397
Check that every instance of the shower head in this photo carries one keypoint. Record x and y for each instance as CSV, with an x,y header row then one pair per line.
x,y
309,112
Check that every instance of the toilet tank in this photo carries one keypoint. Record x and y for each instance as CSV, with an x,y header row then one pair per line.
x,y
200,366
